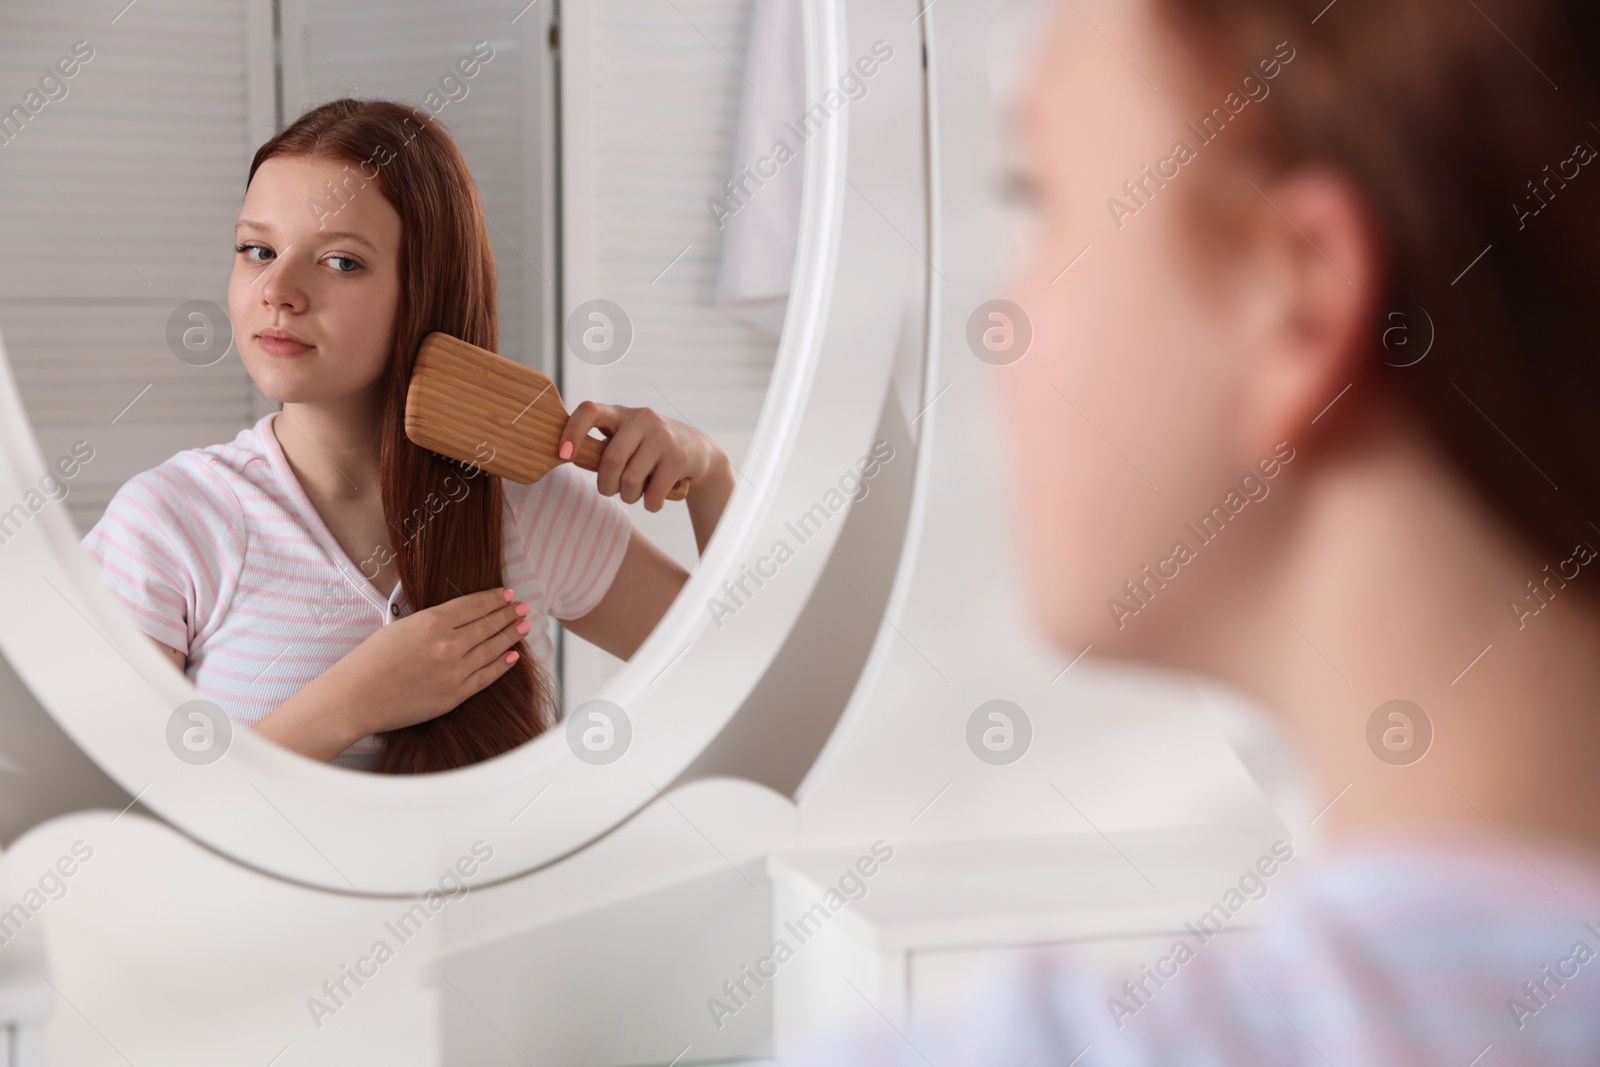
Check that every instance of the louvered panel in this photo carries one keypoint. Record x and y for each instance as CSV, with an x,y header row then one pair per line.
x,y
118,205
663,96
400,51
651,101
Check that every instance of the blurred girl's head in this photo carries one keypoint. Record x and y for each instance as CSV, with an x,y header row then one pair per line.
x,y
361,232
1278,205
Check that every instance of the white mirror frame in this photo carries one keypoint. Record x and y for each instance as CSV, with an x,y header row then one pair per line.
x,y
112,692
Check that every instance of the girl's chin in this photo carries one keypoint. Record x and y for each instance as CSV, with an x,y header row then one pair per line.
x,y
1069,629
1094,622
279,391
292,388
282,380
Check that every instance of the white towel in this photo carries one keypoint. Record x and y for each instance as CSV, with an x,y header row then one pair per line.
x,y
762,230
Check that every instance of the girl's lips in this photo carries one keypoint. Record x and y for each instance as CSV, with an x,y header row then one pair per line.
x,y
278,346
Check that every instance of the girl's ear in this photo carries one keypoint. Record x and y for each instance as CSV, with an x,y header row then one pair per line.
x,y
1315,265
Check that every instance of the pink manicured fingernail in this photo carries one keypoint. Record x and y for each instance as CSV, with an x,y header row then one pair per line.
x,y
567,449
511,657
510,596
524,626
523,609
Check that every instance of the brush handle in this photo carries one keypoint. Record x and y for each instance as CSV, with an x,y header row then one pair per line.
x,y
590,449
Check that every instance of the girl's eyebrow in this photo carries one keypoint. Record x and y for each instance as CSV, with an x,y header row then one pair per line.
x,y
347,235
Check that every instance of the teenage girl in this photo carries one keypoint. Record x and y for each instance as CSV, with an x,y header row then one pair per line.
x,y
329,584
1357,182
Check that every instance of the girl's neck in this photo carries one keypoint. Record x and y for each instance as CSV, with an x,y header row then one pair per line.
x,y
333,448
1393,583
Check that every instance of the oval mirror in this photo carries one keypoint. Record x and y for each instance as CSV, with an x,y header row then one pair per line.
x,y
668,234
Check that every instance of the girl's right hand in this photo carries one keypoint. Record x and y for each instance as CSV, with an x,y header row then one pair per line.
x,y
419,667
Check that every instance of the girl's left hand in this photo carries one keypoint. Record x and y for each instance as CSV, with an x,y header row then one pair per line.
x,y
645,455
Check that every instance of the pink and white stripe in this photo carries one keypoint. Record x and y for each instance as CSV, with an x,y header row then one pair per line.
x,y
219,552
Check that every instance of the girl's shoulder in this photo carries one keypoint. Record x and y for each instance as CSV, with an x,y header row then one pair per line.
x,y
564,495
566,537
196,490
173,537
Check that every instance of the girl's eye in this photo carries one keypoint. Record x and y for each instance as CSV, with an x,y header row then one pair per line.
x,y
351,269
245,250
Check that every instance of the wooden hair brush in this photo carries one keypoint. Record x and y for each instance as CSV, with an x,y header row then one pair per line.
x,y
472,406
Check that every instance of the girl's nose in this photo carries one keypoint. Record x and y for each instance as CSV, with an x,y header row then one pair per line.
x,y
280,285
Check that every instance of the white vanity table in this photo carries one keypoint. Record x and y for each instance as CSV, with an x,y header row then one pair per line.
x,y
769,754
173,954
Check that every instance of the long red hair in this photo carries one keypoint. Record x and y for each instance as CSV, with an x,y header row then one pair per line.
x,y
447,283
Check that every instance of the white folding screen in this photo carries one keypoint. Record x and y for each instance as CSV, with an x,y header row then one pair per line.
x,y
120,189
651,91
503,118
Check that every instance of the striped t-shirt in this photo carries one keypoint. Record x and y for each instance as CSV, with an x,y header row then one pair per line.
x,y
1393,951
218,552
